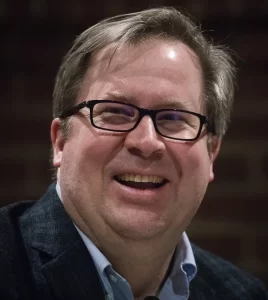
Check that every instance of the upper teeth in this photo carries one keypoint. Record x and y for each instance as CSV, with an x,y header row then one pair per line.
x,y
140,178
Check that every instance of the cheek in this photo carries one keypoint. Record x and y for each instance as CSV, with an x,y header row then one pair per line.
x,y
197,173
197,168
193,166
197,158
88,154
84,166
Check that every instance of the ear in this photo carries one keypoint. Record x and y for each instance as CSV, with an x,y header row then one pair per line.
x,y
214,148
57,142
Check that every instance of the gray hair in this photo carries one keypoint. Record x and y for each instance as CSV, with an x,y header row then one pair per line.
x,y
164,23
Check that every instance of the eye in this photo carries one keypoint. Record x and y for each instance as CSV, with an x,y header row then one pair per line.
x,y
170,116
110,114
119,110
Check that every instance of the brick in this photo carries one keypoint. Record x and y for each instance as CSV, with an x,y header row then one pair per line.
x,y
12,180
14,168
226,247
264,166
262,248
247,209
32,95
230,168
248,128
3,10
256,52
36,54
17,9
252,85
25,179
25,132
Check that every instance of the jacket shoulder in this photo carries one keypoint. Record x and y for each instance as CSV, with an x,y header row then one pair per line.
x,y
9,222
9,216
13,258
222,280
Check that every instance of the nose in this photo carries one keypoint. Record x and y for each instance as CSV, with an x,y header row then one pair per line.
x,y
144,140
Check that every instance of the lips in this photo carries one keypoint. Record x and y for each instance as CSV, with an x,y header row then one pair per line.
x,y
139,181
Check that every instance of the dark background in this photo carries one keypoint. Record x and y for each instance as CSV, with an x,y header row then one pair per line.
x,y
232,221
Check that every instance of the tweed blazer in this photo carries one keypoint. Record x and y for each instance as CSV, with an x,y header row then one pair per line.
x,y
43,257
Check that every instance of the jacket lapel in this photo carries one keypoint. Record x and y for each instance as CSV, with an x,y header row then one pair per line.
x,y
57,249
72,276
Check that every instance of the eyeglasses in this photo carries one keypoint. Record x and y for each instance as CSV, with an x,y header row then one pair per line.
x,y
118,116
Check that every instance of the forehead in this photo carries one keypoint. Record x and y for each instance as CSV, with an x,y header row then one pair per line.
x,y
146,73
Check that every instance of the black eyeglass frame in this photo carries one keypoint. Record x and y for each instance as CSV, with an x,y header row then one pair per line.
x,y
142,112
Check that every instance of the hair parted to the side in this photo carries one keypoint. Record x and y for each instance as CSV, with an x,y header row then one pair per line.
x,y
163,23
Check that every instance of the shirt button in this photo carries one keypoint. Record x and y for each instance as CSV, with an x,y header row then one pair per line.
x,y
113,278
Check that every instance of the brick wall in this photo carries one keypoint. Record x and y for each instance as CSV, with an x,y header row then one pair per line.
x,y
35,34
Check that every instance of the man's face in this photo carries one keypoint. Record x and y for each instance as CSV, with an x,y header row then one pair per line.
x,y
156,74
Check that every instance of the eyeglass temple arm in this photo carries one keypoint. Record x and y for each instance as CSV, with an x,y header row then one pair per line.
x,y
73,110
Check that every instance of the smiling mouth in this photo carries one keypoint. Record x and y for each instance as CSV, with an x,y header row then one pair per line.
x,y
142,182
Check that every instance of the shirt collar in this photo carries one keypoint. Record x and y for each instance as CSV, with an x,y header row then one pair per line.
x,y
184,259
182,272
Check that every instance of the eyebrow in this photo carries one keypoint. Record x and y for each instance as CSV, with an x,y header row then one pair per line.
x,y
174,104
116,96
168,104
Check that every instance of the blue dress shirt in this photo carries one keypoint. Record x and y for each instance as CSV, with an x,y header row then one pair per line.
x,y
115,287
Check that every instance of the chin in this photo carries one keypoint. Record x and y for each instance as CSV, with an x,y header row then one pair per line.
x,y
138,226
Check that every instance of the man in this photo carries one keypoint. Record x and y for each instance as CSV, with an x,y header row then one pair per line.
x,y
141,103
